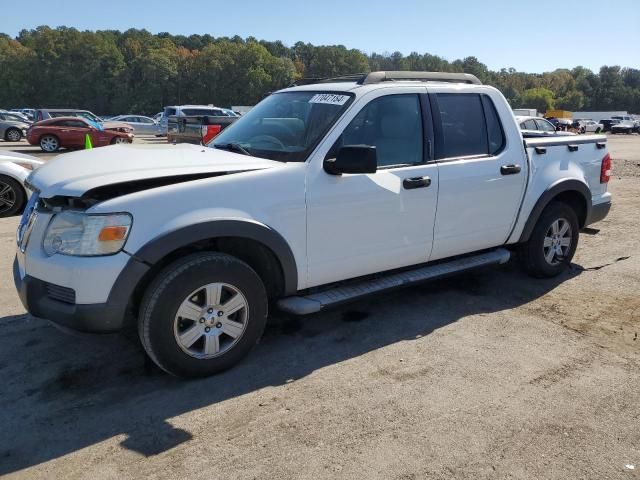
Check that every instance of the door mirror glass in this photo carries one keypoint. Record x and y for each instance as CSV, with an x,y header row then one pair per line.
x,y
353,159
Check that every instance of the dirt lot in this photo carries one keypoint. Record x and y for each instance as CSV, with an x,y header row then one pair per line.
x,y
489,375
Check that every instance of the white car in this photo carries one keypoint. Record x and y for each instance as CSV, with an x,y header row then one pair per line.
x,y
320,194
538,127
142,125
14,169
589,126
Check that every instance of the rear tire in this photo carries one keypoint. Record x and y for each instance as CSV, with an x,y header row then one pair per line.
x,y
553,241
202,314
12,197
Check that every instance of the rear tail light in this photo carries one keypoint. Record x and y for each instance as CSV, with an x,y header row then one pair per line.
x,y
605,169
211,132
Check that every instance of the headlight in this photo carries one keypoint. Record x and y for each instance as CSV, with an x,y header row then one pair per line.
x,y
82,234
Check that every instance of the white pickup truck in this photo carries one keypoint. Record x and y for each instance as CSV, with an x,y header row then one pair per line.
x,y
321,194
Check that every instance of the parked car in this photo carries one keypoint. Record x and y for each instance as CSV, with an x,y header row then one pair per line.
x,y
622,118
192,110
71,132
538,127
608,123
625,126
12,127
18,114
29,112
46,113
588,126
14,169
142,125
320,194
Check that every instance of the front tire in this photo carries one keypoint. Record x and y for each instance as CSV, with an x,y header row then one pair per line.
x,y
13,135
12,197
553,241
49,143
202,314
118,140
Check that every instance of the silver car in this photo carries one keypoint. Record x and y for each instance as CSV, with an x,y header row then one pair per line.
x,y
12,127
142,125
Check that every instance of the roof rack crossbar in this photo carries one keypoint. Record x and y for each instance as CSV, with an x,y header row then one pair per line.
x,y
377,77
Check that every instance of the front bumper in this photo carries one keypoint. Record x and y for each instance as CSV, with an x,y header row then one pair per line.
x,y
107,317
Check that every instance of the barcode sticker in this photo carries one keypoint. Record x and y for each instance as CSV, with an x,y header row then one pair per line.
x,y
329,99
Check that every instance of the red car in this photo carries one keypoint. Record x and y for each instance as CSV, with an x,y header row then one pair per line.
x,y
71,132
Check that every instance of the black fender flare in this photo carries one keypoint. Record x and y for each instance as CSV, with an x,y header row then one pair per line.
x,y
159,247
549,194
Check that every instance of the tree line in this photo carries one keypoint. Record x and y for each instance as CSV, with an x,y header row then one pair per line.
x,y
111,72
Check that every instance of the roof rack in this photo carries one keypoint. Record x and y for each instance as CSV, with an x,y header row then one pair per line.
x,y
352,77
377,77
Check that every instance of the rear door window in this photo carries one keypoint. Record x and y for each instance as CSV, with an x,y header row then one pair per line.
x,y
463,127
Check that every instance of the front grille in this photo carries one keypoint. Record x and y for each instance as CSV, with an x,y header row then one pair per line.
x,y
62,294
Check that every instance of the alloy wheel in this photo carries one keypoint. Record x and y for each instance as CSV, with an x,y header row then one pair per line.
x,y
49,144
7,197
557,241
211,320
14,135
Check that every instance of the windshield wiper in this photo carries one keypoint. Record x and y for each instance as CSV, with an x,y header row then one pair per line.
x,y
233,147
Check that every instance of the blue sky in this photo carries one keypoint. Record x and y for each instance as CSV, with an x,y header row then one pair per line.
x,y
531,36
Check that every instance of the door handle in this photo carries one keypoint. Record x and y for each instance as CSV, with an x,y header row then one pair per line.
x,y
510,169
416,182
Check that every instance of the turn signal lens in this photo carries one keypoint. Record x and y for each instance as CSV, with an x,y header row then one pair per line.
x,y
113,234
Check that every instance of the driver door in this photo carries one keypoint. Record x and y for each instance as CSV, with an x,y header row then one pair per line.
x,y
358,224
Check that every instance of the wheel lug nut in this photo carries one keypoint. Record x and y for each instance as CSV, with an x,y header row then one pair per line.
x,y
210,310
218,325
207,329
220,313
202,320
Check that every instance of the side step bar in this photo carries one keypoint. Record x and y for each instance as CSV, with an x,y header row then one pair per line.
x,y
318,301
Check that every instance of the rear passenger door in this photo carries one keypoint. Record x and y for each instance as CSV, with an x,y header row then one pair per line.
x,y
481,176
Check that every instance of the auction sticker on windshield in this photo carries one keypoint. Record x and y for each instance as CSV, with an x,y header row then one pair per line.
x,y
329,98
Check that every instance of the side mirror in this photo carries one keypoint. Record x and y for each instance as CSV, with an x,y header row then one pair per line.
x,y
353,159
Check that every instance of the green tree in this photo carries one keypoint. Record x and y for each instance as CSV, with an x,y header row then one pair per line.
x,y
539,98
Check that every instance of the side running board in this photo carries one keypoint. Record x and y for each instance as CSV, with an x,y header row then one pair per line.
x,y
312,303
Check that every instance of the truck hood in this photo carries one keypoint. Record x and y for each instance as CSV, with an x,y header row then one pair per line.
x,y
73,174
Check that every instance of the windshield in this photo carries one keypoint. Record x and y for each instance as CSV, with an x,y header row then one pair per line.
x,y
285,126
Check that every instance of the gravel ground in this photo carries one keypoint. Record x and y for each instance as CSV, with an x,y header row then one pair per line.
x,y
487,375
